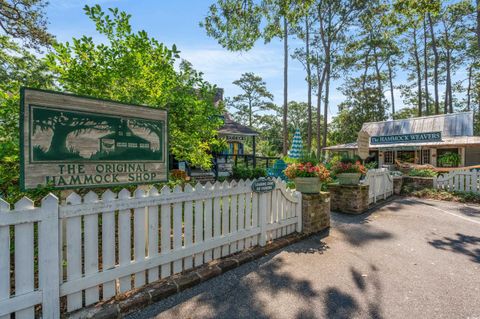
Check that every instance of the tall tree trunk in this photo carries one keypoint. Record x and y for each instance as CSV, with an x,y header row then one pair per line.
x,y
250,111
436,65
309,84
478,24
419,71
285,86
379,115
320,80
425,65
449,84
448,88
390,79
327,94
469,88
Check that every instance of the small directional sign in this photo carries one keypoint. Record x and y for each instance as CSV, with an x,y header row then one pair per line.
x,y
263,185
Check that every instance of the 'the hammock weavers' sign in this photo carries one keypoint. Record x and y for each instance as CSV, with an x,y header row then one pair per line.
x,y
406,138
70,141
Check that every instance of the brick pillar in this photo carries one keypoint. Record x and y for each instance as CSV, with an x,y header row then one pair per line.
x,y
350,199
315,212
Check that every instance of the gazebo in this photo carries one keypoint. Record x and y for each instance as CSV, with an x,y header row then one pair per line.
x,y
236,135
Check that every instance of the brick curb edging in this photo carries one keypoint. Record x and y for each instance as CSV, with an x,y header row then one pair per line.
x,y
156,291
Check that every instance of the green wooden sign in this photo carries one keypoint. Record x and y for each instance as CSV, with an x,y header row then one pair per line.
x,y
70,141
406,138
263,185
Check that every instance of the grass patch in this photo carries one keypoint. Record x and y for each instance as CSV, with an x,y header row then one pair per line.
x,y
422,173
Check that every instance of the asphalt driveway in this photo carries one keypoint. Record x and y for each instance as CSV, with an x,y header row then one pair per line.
x,y
409,259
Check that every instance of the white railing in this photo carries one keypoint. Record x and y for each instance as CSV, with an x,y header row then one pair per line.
x,y
458,181
380,184
112,244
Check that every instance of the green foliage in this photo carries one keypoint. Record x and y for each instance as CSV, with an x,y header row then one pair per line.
x,y
449,159
9,182
255,98
235,24
362,104
25,20
248,173
371,165
438,194
135,68
19,68
422,173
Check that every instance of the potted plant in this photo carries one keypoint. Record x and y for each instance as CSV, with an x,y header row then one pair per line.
x,y
308,178
449,159
348,173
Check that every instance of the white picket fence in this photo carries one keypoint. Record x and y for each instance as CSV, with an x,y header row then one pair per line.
x,y
380,184
459,181
93,249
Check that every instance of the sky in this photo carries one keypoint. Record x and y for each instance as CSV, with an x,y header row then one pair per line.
x,y
177,22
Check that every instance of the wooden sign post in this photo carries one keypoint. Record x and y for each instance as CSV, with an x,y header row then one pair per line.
x,y
363,142
70,141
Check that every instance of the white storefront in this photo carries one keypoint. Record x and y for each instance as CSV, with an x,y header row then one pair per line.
x,y
420,140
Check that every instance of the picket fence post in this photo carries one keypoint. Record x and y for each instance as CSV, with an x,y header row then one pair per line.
x,y
299,212
49,267
262,215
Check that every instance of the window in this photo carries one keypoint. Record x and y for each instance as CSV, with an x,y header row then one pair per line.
x,y
406,156
144,145
425,156
388,157
129,134
121,144
132,145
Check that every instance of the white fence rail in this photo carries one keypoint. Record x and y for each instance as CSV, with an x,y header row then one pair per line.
x,y
380,184
459,181
115,243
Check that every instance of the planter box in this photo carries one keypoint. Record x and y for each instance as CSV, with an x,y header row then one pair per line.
x,y
308,185
417,183
349,199
349,178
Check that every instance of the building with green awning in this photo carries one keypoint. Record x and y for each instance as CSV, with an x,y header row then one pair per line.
x,y
420,140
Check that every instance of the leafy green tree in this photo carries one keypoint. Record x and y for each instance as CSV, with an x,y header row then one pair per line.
x,y
334,17
132,67
255,98
361,105
19,67
238,24
25,20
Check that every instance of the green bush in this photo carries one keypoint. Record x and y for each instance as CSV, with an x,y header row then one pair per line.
x,y
422,173
248,173
449,159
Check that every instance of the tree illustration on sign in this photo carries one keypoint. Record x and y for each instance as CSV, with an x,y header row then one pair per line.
x,y
154,127
62,124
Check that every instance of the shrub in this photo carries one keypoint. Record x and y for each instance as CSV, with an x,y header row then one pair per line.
x,y
248,173
449,159
371,165
422,173
439,194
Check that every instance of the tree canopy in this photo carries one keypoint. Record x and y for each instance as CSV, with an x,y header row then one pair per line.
x,y
132,67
